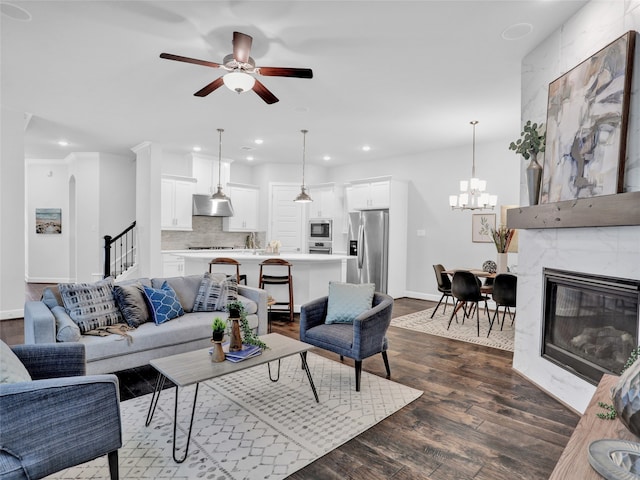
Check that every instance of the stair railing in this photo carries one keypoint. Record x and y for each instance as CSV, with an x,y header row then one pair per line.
x,y
120,251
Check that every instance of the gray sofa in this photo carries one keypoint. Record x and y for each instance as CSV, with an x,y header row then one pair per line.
x,y
45,319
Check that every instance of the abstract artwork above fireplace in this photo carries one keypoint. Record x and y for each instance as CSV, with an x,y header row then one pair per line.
x,y
587,117
590,322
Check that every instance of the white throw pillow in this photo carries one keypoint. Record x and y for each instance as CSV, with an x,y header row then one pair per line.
x,y
11,368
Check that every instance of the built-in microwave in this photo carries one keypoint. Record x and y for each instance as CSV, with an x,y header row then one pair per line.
x,y
320,229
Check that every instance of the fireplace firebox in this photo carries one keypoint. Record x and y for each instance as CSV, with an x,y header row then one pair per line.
x,y
590,322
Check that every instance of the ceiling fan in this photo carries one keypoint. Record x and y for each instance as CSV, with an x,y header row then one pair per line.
x,y
240,66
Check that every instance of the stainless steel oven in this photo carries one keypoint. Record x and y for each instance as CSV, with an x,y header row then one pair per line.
x,y
323,248
319,230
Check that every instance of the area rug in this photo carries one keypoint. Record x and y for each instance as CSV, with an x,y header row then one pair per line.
x,y
247,427
467,332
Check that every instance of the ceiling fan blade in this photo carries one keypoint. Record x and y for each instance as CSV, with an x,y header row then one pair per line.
x,y
217,83
264,93
241,47
285,72
170,56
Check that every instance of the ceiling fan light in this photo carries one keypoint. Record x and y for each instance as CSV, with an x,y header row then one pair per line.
x,y
238,81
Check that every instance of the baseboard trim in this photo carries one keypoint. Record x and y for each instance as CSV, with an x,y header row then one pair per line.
x,y
11,314
47,280
422,296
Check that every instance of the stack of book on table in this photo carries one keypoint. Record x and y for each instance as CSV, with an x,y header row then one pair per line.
x,y
248,351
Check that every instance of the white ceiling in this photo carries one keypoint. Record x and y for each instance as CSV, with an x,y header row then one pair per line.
x,y
402,77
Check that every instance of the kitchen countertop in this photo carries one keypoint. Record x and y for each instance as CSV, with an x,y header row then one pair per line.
x,y
246,255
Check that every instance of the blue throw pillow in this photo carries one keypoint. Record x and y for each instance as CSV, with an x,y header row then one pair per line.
x,y
348,300
164,303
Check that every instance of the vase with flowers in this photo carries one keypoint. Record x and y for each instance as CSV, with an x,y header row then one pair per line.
x,y
529,145
502,239
274,247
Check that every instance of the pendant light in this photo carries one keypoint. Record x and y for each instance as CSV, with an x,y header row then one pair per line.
x,y
221,203
472,194
303,196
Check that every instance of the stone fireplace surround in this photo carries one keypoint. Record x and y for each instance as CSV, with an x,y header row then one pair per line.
x,y
611,251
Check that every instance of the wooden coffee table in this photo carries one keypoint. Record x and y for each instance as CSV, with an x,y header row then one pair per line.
x,y
188,368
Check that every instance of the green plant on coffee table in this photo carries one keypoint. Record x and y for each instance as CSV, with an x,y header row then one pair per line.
x,y
248,336
611,413
218,326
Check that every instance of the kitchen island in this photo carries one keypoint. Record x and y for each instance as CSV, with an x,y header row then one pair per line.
x,y
311,272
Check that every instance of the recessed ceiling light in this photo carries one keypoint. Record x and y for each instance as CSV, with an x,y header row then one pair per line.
x,y
366,148
250,158
63,143
517,31
258,141
14,12
197,148
326,158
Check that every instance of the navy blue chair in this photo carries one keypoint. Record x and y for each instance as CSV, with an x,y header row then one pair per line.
x,y
61,418
360,340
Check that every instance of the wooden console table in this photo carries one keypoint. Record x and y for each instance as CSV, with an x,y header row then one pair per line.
x,y
574,461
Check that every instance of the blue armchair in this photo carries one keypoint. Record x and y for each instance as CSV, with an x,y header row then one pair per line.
x,y
362,339
60,419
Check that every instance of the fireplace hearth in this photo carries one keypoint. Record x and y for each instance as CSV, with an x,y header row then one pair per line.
x,y
590,322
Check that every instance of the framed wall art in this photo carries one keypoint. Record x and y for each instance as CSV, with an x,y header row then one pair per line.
x,y
481,225
587,116
49,220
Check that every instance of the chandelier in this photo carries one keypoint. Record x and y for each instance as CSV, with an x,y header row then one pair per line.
x,y
303,196
472,194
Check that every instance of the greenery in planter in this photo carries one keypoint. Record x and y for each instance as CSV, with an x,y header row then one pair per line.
x,y
611,413
248,336
218,325
532,140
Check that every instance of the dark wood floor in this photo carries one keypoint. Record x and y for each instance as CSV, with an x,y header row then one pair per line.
x,y
477,418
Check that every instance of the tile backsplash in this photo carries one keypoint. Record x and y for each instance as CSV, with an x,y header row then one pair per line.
x,y
207,231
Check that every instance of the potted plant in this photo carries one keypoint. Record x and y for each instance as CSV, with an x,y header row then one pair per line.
x,y
218,327
529,145
248,336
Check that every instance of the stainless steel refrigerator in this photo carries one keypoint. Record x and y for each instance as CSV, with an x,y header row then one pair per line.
x,y
369,243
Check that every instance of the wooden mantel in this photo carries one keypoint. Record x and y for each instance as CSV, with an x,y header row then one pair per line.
x,y
604,211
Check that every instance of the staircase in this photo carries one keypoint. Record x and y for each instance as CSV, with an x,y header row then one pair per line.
x,y
120,253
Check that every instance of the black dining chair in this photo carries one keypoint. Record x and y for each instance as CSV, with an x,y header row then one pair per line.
x,y
465,288
444,287
505,287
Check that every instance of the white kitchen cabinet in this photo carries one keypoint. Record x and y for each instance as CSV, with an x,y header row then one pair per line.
x,y
205,171
325,204
172,265
368,195
176,202
245,200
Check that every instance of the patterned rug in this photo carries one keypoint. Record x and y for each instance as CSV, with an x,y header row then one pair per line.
x,y
247,427
467,332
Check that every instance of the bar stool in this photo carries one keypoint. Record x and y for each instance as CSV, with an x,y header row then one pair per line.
x,y
269,279
229,261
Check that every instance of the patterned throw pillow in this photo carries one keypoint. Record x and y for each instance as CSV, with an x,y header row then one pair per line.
x,y
216,290
348,300
91,305
131,301
164,303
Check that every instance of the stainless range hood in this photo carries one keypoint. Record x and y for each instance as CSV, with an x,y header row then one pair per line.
x,y
205,206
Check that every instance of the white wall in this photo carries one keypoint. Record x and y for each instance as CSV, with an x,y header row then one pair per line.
x,y
432,176
12,214
47,187
613,251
